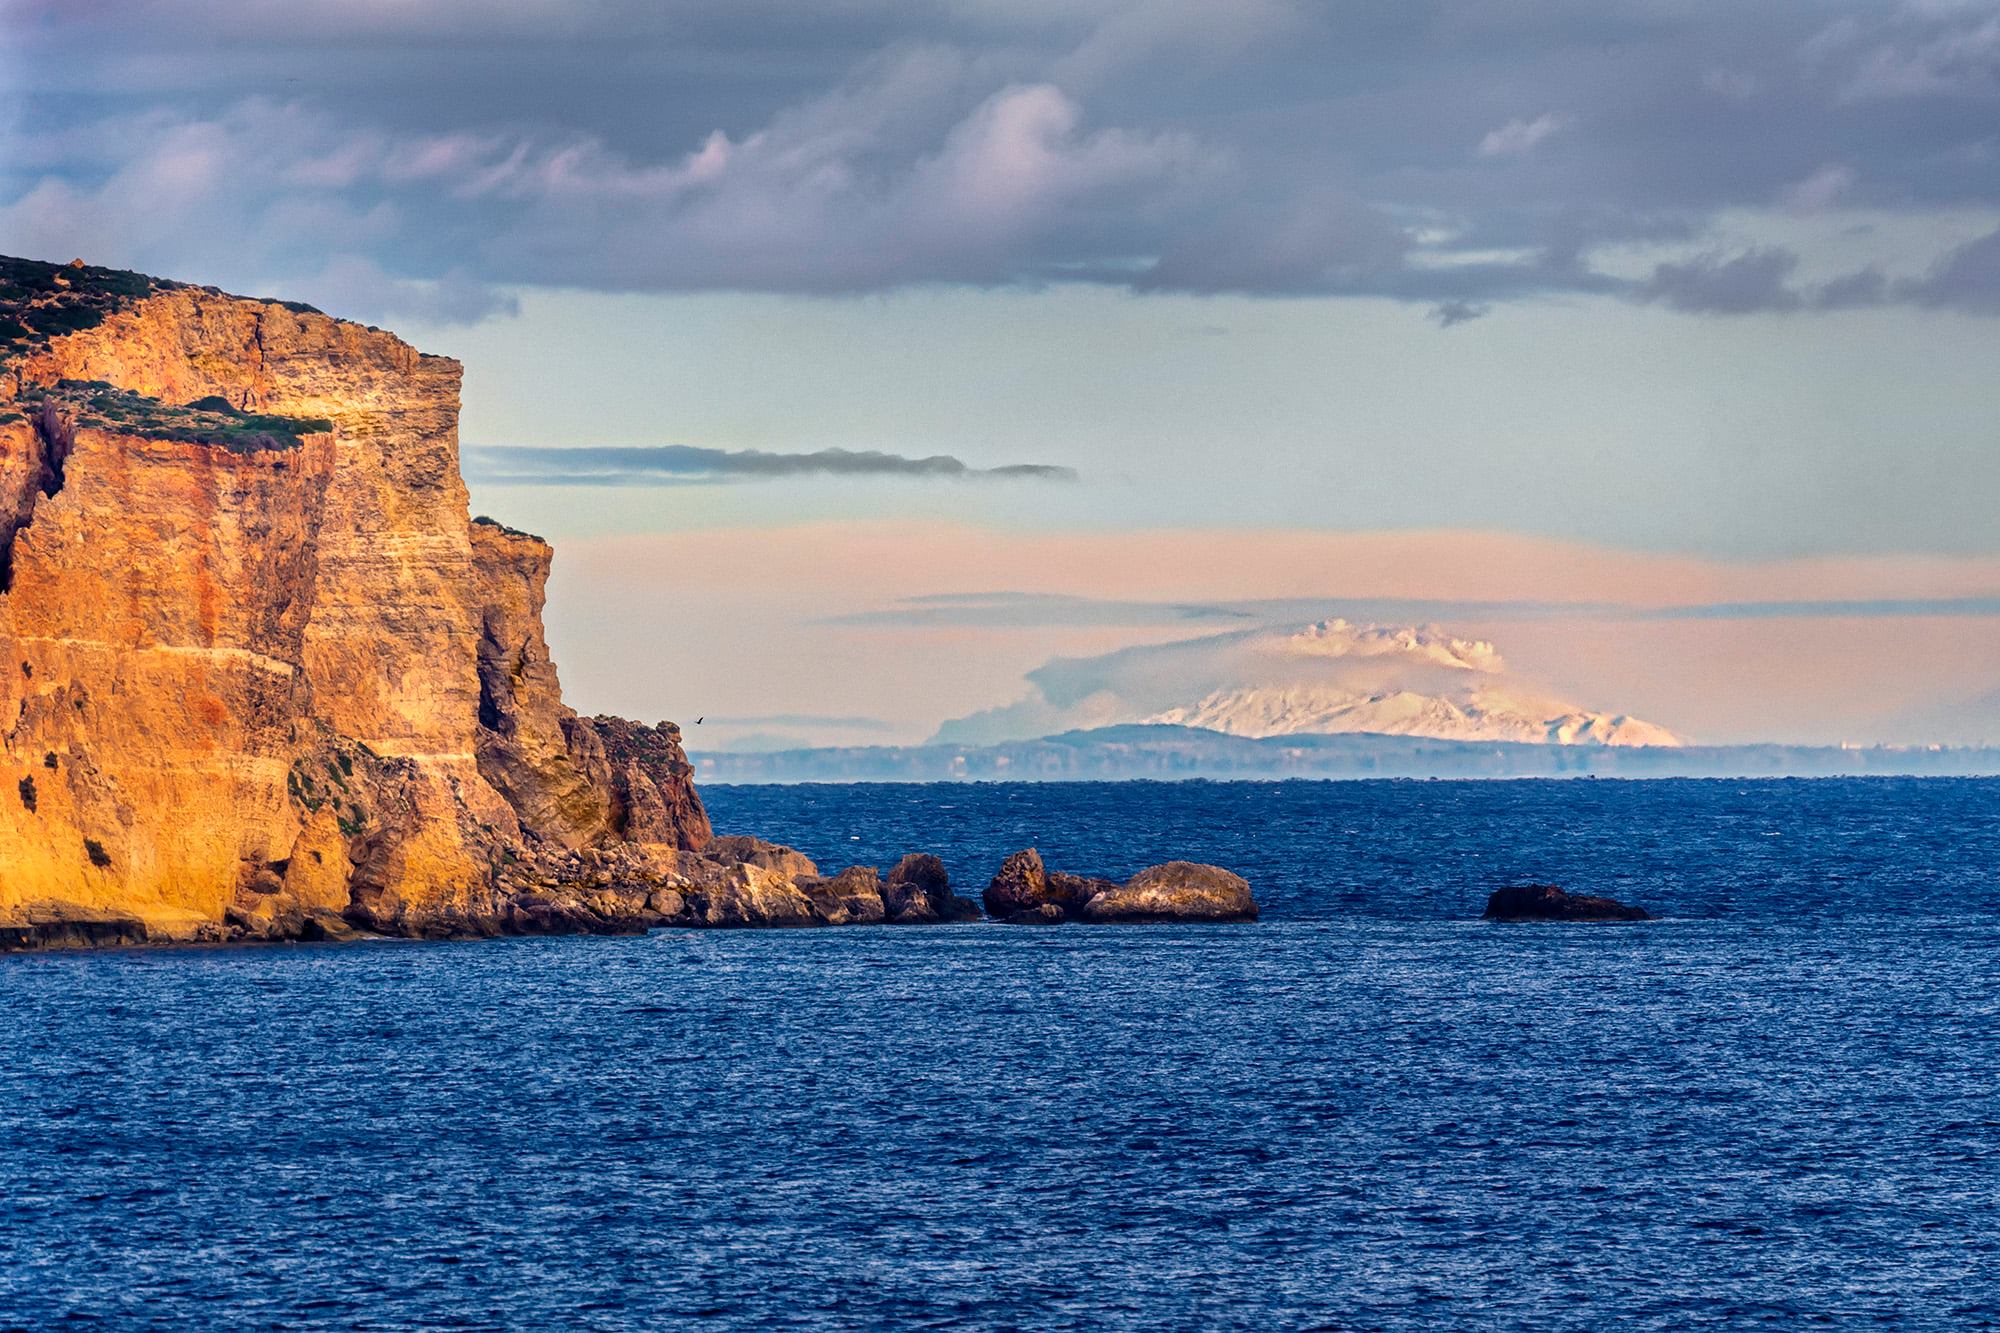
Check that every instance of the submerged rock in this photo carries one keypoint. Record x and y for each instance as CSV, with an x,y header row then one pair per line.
x,y
1547,902
1025,891
1176,891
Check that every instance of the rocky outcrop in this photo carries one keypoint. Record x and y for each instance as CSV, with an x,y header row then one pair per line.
x,y
1026,892
919,893
1546,902
651,782
741,881
1176,891
260,676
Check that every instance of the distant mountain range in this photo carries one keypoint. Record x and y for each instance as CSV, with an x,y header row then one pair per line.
x,y
1327,678
1167,752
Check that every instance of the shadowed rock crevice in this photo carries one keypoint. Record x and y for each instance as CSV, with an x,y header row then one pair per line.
x,y
37,476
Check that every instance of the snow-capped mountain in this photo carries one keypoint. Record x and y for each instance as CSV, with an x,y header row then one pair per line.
x,y
1324,678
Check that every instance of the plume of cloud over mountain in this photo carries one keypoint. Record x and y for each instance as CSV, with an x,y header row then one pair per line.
x,y
647,465
1330,677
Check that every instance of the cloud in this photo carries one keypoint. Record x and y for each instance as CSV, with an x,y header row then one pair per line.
x,y
1964,280
681,463
1819,191
1055,611
1754,281
1925,51
459,152
1450,314
1329,676
359,289
832,722
1517,137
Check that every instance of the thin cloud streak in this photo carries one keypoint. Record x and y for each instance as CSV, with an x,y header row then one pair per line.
x,y
1017,610
683,464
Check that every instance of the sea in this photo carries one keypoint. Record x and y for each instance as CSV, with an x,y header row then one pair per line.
x,y
1776,1107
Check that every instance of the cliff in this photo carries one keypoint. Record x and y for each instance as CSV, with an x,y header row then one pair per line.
x,y
259,674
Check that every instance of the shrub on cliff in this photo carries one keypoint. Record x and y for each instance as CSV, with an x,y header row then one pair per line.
x,y
211,421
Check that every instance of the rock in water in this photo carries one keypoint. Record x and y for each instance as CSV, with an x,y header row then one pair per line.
x,y
1547,902
1024,891
919,893
853,897
1176,891
1021,884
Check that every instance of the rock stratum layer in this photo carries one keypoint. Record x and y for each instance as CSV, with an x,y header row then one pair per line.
x,y
260,676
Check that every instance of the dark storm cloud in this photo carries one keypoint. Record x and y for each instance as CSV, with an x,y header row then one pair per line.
x,y
670,463
1756,280
1450,314
1965,279
382,157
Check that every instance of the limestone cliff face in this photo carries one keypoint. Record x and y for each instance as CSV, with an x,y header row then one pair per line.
x,y
258,672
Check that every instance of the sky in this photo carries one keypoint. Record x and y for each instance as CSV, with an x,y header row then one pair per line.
x,y
1654,340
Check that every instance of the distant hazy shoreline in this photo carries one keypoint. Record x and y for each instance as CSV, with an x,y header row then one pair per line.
x,y
1163,752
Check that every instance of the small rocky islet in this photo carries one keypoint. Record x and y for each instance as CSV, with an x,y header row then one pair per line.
x,y
1550,902
1027,892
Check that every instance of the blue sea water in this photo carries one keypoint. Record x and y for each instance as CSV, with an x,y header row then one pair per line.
x,y
1778,1107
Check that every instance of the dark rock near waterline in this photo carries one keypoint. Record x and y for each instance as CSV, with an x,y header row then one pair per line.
x,y
80,933
919,892
1176,891
1021,884
1547,902
748,882
1043,914
1073,893
851,898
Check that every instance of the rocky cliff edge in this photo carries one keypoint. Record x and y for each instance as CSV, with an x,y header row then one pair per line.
x,y
260,676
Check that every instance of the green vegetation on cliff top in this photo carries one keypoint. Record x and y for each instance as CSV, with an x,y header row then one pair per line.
x,y
486,522
40,300
211,421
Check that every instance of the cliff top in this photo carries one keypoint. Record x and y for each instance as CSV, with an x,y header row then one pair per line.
x,y
481,520
40,301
